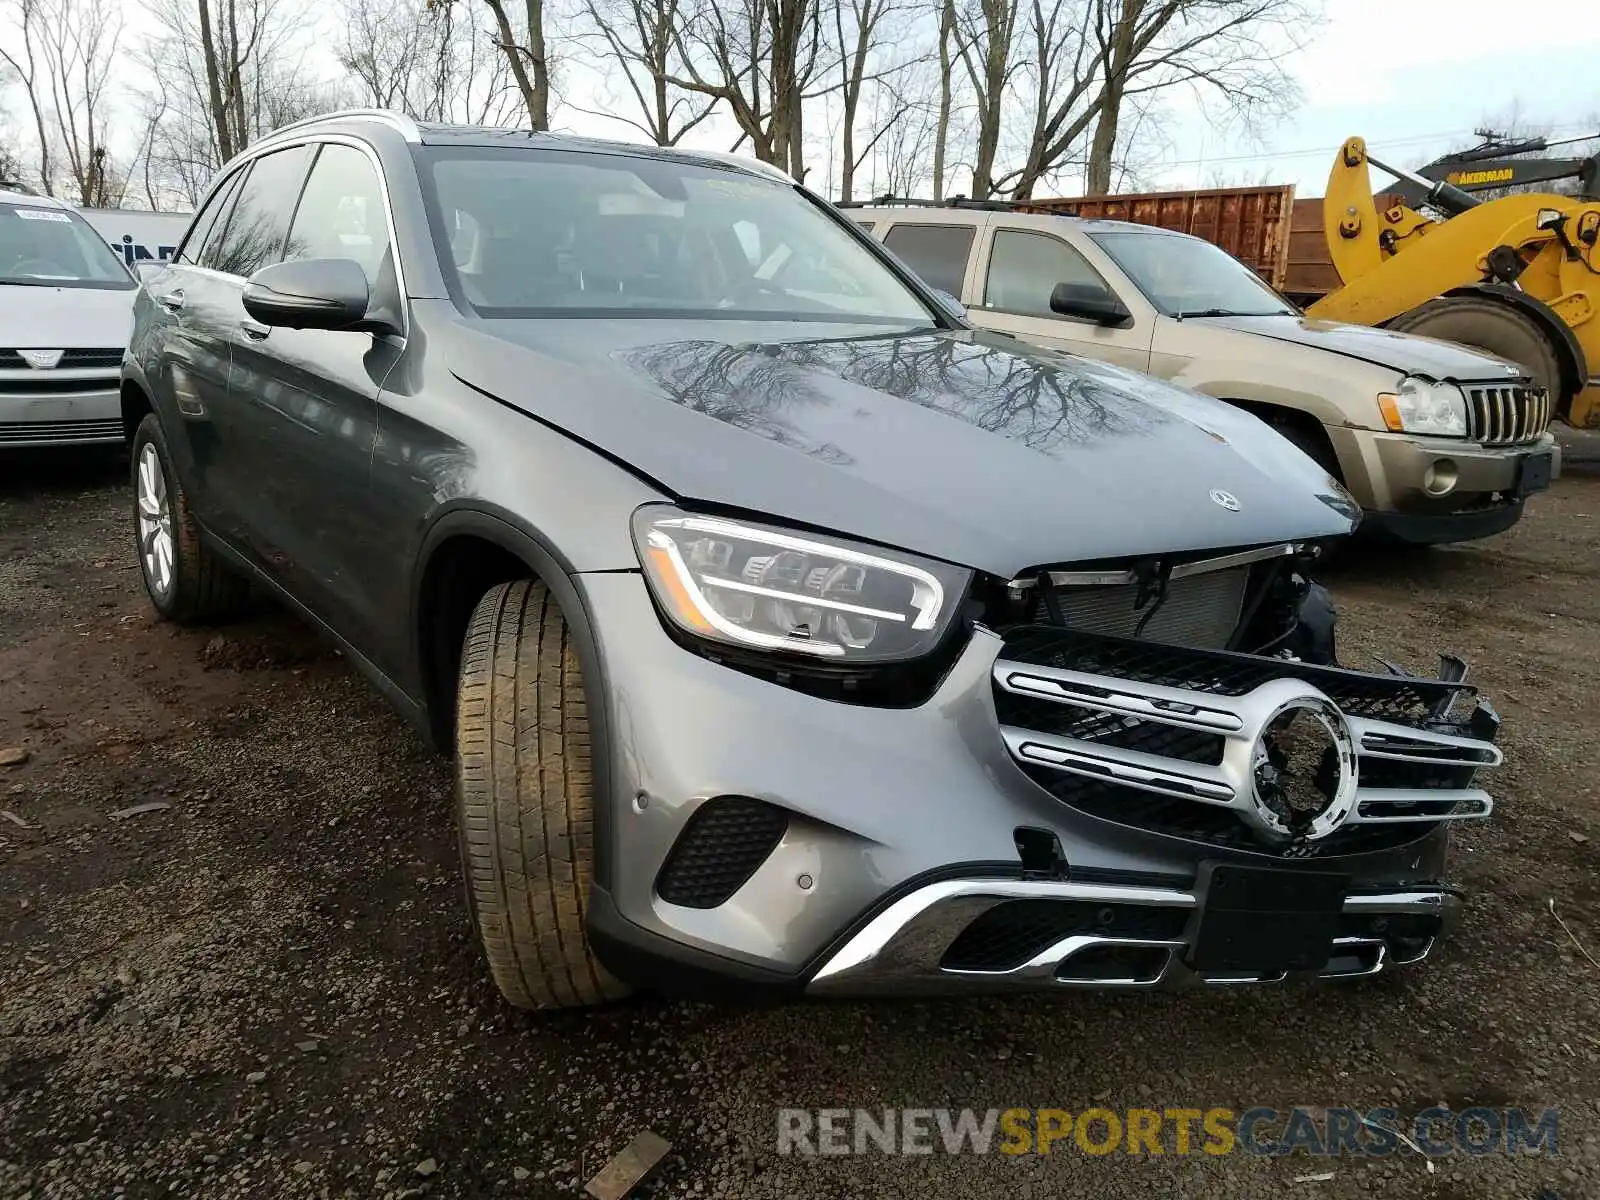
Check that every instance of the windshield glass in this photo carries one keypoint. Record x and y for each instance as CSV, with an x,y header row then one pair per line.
x,y
51,247
1186,277
533,232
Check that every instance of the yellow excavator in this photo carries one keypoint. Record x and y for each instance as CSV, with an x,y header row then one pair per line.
x,y
1518,275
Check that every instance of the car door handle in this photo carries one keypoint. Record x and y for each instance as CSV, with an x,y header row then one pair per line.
x,y
171,301
255,332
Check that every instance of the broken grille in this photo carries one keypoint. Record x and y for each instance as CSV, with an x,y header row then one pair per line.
x,y
1165,738
1503,415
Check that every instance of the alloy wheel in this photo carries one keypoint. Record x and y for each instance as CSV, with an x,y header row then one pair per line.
x,y
155,521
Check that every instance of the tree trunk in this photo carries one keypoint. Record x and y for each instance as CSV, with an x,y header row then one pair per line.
x,y
539,112
219,113
1104,144
519,69
941,131
242,133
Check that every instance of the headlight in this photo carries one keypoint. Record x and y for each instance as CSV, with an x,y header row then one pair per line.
x,y
1422,407
764,589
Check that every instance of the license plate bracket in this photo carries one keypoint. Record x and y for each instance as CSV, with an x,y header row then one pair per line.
x,y
1266,921
1534,473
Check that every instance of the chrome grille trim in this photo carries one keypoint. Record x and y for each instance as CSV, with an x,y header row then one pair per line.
x,y
901,950
1239,721
1501,415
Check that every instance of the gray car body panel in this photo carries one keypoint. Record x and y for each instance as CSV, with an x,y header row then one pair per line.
x,y
546,436
1017,452
882,796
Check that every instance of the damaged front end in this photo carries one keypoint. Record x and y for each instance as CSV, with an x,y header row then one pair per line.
x,y
1202,698
1194,706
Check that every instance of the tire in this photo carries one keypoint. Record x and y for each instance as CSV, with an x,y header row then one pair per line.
x,y
1491,325
525,800
183,577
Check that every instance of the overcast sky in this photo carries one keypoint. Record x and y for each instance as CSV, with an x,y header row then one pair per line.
x,y
1411,76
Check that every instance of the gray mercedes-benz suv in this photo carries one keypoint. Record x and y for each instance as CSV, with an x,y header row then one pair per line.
x,y
787,632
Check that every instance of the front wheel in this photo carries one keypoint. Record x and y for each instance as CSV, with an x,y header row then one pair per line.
x,y
1493,326
183,577
525,800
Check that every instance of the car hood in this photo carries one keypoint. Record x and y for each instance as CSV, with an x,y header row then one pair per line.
x,y
954,444
64,318
1404,352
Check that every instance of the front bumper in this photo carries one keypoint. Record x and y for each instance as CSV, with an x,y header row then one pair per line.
x,y
880,804
1432,489
59,408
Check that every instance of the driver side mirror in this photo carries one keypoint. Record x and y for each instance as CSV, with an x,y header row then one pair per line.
x,y
1090,302
311,293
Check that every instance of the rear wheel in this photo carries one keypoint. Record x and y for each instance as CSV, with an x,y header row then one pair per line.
x,y
525,800
183,577
1491,325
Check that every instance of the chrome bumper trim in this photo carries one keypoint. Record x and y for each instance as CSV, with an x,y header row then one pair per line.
x,y
899,951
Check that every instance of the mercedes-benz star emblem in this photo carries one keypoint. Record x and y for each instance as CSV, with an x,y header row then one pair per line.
x,y
1303,770
1226,499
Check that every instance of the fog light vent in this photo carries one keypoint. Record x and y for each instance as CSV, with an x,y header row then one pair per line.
x,y
721,846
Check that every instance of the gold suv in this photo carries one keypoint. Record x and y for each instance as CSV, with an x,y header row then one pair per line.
x,y
1438,442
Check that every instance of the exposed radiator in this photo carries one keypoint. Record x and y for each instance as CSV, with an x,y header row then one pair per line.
x,y
1200,610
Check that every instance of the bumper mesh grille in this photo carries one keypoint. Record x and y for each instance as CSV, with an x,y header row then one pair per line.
x,y
1009,934
81,356
721,846
15,432
1498,416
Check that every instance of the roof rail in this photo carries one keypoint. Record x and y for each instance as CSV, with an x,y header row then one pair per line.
x,y
952,202
742,160
402,124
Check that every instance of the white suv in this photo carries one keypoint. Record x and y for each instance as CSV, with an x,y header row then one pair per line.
x,y
66,309
1438,442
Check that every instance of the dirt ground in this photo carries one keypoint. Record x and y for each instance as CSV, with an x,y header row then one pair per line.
x,y
265,987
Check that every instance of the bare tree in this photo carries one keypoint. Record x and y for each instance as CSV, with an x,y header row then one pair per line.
x,y
33,80
77,42
436,64
526,55
984,35
1229,48
218,74
637,37
859,27
763,59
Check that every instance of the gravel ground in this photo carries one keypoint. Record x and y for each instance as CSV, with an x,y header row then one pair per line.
x,y
266,986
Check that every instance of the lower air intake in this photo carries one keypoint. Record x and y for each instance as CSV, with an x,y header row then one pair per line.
x,y
721,846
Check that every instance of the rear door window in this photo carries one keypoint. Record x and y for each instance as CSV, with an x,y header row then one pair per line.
x,y
259,223
206,221
1024,269
938,253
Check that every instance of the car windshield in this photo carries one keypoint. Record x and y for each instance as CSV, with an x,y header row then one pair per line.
x,y
532,232
46,246
1187,277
